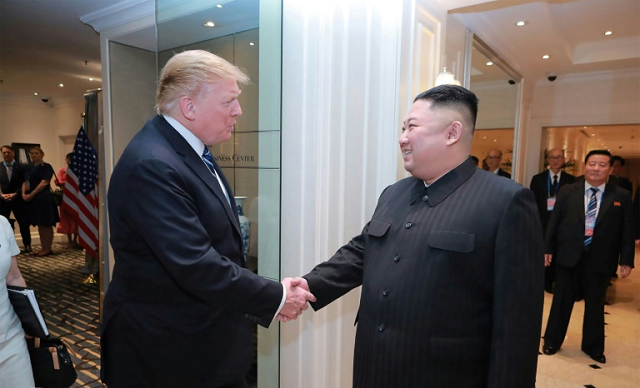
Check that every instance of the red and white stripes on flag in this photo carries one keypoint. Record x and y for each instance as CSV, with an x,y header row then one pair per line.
x,y
80,196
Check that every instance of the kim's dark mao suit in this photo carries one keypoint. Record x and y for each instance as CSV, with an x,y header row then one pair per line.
x,y
451,283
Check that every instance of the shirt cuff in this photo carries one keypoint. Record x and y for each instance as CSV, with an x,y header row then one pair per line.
x,y
284,297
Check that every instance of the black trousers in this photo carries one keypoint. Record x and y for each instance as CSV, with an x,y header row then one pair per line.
x,y
19,212
568,283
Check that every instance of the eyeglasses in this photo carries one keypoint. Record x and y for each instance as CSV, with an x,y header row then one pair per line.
x,y
555,157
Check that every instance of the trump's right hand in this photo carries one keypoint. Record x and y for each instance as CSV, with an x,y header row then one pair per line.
x,y
298,295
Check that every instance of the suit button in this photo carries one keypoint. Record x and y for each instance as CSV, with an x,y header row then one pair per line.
x,y
408,225
425,198
381,328
385,292
396,258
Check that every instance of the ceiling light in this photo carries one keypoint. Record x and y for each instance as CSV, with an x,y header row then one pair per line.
x,y
607,33
545,56
489,63
495,140
90,79
251,44
446,78
209,24
62,85
521,23
35,94
593,134
219,5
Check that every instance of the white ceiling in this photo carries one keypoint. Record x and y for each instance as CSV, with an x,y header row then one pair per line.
x,y
43,42
570,31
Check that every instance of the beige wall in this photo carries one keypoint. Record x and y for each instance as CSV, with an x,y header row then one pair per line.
x,y
580,99
32,121
133,80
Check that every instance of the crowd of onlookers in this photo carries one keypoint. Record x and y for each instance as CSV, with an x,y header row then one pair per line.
x,y
27,198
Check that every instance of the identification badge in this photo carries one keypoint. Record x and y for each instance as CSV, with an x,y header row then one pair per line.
x,y
588,227
551,203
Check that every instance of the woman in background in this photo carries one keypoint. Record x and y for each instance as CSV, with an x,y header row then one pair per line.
x,y
68,224
15,365
36,192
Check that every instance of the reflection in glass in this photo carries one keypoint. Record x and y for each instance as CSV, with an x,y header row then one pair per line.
x,y
498,95
251,159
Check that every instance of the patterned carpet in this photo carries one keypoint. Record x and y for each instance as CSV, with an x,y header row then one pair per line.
x,y
70,308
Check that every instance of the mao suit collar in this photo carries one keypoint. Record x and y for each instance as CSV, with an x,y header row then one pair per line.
x,y
445,185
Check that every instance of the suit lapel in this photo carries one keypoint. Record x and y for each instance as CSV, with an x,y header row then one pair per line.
x,y
195,163
232,201
607,201
578,199
4,177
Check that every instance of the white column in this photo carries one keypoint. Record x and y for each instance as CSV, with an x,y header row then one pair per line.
x,y
339,151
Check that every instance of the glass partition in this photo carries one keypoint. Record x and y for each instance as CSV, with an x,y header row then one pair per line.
x,y
247,34
498,89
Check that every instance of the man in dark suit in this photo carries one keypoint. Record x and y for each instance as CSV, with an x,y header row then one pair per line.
x,y
545,187
615,178
494,158
11,179
180,308
590,226
636,217
451,265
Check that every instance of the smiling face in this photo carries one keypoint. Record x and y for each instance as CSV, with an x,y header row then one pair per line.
x,y
597,169
215,110
423,142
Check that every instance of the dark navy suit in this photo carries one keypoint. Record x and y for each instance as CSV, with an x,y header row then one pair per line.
x,y
17,205
180,308
541,186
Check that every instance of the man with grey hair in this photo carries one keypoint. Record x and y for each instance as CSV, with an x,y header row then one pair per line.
x,y
545,187
494,158
181,305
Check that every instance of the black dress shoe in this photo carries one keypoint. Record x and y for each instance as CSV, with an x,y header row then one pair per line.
x,y
598,357
548,350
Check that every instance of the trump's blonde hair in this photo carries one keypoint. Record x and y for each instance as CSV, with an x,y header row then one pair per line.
x,y
187,72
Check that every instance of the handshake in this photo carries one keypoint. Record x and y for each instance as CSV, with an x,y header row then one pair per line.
x,y
298,295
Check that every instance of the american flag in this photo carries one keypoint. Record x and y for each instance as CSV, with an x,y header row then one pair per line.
x,y
80,196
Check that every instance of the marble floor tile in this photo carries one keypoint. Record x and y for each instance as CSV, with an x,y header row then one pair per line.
x,y
570,367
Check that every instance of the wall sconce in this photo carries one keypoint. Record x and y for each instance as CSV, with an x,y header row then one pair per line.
x,y
446,78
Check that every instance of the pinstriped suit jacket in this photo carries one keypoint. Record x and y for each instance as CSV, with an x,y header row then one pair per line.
x,y
452,284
